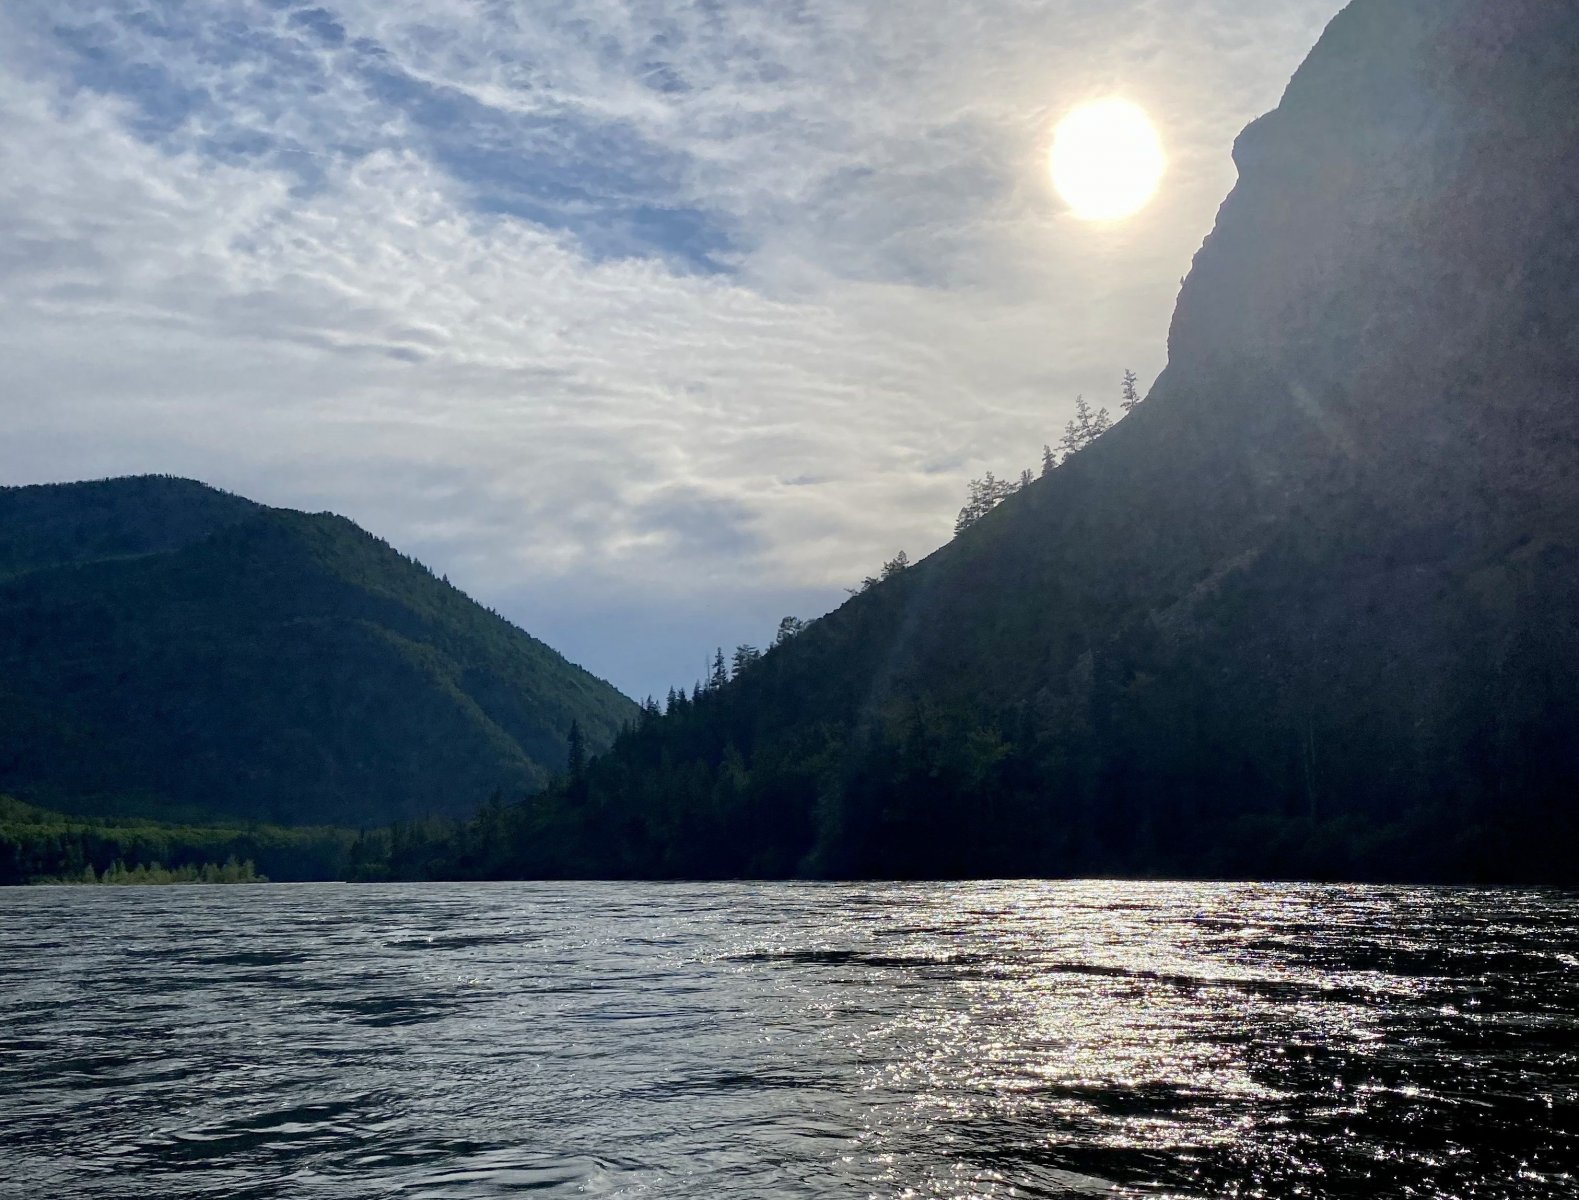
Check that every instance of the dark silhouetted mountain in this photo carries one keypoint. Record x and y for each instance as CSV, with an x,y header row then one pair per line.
x,y
1312,609
170,650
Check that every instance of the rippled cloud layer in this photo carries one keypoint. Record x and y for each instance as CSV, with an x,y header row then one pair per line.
x,y
647,323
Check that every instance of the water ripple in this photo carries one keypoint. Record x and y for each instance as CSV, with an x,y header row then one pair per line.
x,y
755,1040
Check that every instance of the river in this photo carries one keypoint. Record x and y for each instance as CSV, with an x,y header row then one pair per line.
x,y
765,1040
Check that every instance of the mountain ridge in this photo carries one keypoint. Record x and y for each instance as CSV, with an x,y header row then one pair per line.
x,y
353,685
1311,609
108,518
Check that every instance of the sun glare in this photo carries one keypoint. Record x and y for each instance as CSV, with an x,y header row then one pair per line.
x,y
1106,160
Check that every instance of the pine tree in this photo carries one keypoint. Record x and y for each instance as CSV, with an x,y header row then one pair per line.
x,y
984,495
866,585
1086,426
894,566
1049,460
1131,393
720,672
788,628
745,655
972,511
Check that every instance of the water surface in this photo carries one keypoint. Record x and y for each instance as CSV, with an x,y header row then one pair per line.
x,y
788,1040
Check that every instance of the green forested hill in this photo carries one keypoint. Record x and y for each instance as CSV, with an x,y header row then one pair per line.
x,y
1312,609
170,651
109,518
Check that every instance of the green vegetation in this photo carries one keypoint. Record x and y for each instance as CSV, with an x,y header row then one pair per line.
x,y
57,524
798,766
171,652
118,875
40,846
1309,610
1084,428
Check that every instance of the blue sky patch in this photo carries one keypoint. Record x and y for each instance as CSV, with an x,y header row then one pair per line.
x,y
599,181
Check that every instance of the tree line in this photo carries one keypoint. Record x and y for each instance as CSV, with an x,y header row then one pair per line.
x,y
119,874
984,494
1086,426
38,845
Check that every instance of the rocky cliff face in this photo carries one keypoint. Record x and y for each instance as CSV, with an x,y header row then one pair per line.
x,y
1313,608
1337,192
1331,565
1371,415
1383,332
1372,363
1402,241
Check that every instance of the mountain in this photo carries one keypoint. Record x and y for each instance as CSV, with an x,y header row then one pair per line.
x,y
1312,609
167,650
55,525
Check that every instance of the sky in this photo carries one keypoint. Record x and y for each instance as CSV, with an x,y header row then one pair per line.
x,y
647,323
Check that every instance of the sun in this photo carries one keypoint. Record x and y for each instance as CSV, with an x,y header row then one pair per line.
x,y
1106,160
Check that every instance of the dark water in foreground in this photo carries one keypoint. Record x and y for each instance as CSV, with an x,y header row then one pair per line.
x,y
788,1040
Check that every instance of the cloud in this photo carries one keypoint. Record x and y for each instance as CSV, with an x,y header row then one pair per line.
x,y
632,317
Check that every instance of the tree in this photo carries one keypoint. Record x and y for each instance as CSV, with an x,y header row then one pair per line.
x,y
1049,460
788,628
900,562
894,566
984,495
1131,393
745,655
1025,480
1086,426
973,510
720,672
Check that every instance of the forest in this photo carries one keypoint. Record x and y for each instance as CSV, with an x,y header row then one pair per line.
x,y
917,732
41,846
173,652
1309,609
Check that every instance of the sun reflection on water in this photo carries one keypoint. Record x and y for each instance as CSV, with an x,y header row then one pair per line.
x,y
1028,1040
1076,1031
